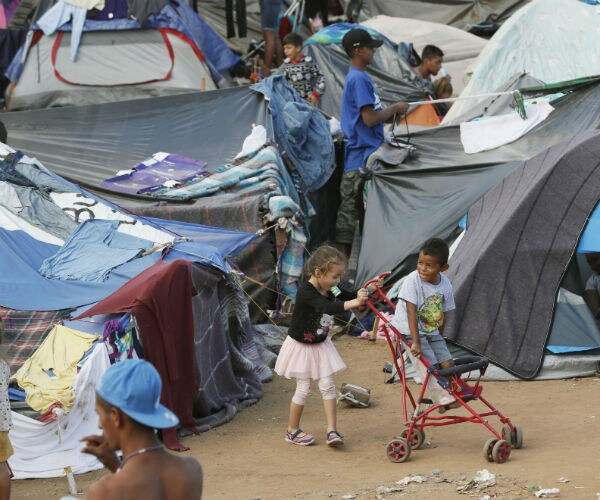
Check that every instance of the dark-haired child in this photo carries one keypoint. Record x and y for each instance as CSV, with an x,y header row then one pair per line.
x,y
425,298
301,71
432,58
307,352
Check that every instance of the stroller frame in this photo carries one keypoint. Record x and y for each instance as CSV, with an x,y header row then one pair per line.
x,y
419,415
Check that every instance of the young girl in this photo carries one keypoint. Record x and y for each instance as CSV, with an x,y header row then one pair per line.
x,y
307,352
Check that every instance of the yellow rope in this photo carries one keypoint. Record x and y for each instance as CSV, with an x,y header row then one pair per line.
x,y
245,277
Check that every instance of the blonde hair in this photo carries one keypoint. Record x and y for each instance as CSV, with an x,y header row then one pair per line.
x,y
322,259
443,87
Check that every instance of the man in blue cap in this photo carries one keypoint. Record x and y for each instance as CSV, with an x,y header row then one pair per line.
x,y
129,411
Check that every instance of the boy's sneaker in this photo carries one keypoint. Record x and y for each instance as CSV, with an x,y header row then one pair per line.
x,y
299,437
334,439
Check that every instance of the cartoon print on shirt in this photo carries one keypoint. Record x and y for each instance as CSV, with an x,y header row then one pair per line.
x,y
431,313
326,321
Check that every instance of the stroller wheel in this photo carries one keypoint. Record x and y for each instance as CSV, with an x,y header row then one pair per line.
x,y
488,448
501,451
516,438
417,438
398,450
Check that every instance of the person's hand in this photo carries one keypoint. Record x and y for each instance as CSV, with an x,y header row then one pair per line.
x,y
415,349
374,286
98,446
362,296
314,100
400,108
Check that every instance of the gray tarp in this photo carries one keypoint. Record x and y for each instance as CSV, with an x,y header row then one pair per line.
x,y
521,236
459,13
428,195
87,144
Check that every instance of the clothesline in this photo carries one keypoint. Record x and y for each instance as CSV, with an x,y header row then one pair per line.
x,y
516,95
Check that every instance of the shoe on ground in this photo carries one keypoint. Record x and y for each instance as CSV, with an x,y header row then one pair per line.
x,y
334,439
299,437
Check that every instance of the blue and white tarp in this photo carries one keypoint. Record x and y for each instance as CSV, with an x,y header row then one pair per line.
x,y
82,267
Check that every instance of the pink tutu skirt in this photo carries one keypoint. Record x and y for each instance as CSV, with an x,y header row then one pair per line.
x,y
312,361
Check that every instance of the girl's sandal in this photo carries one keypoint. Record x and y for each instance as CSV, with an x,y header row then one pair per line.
x,y
334,438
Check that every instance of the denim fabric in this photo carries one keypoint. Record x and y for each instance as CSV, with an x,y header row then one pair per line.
x,y
302,131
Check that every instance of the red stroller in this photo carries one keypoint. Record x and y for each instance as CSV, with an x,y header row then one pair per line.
x,y
420,415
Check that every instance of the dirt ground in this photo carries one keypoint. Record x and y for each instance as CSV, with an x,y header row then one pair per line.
x,y
248,459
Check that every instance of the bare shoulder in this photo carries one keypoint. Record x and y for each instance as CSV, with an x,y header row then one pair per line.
x,y
189,478
105,487
186,467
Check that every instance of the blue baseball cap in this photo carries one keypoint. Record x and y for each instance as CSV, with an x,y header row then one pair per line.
x,y
134,386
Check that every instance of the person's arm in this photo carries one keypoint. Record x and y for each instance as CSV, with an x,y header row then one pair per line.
x,y
319,89
372,117
413,326
443,325
324,305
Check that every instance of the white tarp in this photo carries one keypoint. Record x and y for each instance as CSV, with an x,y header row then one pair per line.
x,y
552,40
45,449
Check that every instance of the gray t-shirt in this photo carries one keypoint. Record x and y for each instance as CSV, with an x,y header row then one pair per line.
x,y
432,302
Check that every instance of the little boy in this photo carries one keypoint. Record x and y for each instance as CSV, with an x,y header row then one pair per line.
x,y
301,71
432,58
424,299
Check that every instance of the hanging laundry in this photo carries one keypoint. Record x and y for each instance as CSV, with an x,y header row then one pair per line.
x,y
61,14
86,4
47,376
94,249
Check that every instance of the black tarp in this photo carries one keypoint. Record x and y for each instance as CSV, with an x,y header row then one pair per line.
x,y
428,195
459,13
521,236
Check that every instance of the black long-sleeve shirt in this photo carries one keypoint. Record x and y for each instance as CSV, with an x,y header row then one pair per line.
x,y
313,313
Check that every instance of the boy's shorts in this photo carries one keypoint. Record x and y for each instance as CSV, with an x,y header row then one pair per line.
x,y
433,348
348,214
6,449
269,14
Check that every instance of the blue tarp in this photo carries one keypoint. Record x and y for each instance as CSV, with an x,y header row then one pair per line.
x,y
590,240
226,241
22,287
